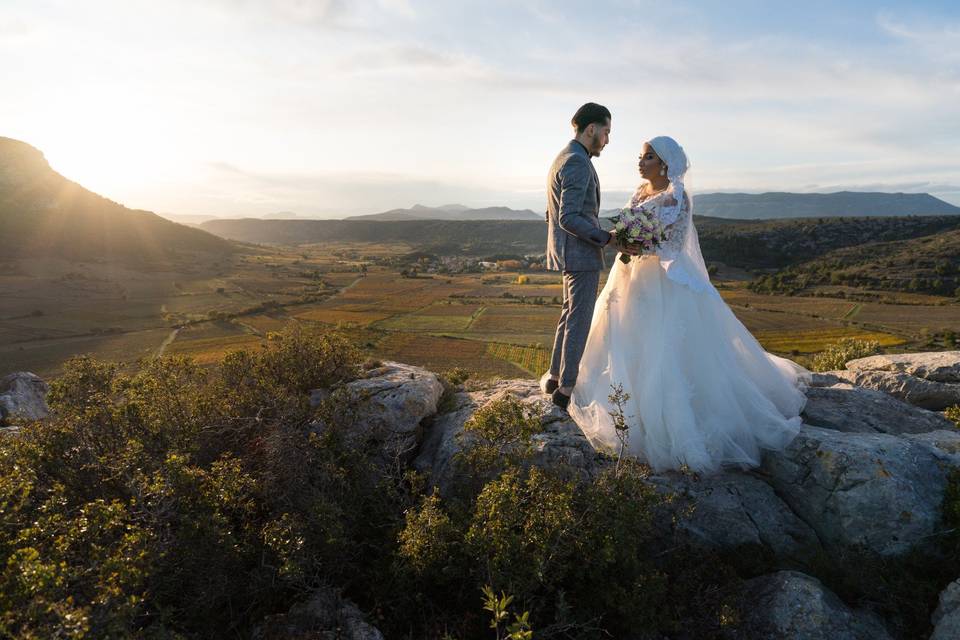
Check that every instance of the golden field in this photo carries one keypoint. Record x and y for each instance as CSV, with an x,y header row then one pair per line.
x,y
483,322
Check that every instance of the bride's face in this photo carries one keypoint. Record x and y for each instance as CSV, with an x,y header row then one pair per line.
x,y
649,163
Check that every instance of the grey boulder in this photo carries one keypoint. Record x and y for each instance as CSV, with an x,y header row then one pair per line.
x,y
878,491
946,618
559,441
325,616
733,511
928,380
389,404
23,395
789,605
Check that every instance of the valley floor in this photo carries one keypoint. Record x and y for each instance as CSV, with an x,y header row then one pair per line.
x,y
487,323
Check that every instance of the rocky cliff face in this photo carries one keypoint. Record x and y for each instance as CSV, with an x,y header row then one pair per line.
x,y
869,471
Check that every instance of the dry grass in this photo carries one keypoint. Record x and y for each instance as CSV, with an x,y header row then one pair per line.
x,y
533,360
441,354
210,350
814,341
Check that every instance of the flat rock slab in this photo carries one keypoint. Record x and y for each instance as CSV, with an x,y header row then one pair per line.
x,y
876,490
844,407
920,392
937,366
737,510
789,605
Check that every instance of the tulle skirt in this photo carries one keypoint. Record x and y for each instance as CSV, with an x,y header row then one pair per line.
x,y
702,391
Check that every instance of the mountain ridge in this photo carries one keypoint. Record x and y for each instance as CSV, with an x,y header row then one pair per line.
x,y
45,213
784,204
450,212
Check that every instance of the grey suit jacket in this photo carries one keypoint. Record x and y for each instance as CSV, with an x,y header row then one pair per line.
x,y
574,238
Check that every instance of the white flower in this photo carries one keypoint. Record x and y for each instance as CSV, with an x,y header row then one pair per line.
x,y
621,226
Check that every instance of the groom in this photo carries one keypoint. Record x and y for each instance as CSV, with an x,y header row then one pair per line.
x,y
575,242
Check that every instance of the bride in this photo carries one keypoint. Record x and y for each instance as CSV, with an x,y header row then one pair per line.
x,y
702,391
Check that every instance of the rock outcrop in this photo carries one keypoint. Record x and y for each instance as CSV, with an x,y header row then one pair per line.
x,y
734,511
946,618
22,395
879,491
851,482
845,407
325,616
560,439
927,380
788,605
869,470
391,401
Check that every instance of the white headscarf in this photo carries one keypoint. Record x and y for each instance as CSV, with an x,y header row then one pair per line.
x,y
672,154
689,268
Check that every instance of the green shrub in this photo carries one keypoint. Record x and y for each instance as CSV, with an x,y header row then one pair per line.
x,y
580,556
184,500
953,414
838,355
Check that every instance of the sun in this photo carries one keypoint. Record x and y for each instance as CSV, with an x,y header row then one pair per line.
x,y
108,151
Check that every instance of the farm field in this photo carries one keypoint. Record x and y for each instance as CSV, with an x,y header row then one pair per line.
x,y
486,322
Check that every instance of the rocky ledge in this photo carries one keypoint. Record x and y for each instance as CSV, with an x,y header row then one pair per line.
x,y
868,471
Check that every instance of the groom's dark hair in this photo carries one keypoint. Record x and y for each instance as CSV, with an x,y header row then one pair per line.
x,y
588,114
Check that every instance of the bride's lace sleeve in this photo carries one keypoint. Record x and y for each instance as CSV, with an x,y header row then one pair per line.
x,y
675,220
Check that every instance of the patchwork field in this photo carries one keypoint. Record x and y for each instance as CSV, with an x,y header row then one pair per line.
x,y
488,323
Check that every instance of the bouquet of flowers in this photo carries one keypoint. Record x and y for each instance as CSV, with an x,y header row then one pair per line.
x,y
637,225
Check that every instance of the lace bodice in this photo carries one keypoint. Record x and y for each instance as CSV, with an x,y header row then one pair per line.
x,y
675,220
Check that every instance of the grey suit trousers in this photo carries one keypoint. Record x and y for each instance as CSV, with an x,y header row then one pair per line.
x,y
579,298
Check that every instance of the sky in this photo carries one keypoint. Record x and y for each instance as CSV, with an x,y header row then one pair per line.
x,y
331,107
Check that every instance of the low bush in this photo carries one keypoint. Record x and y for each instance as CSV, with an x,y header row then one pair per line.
x,y
838,355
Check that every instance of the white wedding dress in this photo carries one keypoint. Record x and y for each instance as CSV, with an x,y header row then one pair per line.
x,y
703,392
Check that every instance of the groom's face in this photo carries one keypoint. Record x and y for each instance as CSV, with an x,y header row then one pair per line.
x,y
599,138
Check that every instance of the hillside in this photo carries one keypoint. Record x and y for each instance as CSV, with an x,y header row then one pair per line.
x,y
438,236
928,264
770,244
451,212
44,214
751,244
756,206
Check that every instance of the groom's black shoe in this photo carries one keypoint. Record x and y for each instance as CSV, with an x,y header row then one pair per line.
x,y
552,385
560,399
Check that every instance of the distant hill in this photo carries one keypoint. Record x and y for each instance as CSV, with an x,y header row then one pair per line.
x,y
451,212
750,244
773,244
44,214
926,264
472,237
759,206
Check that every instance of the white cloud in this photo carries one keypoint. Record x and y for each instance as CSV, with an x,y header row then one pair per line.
x,y
938,40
